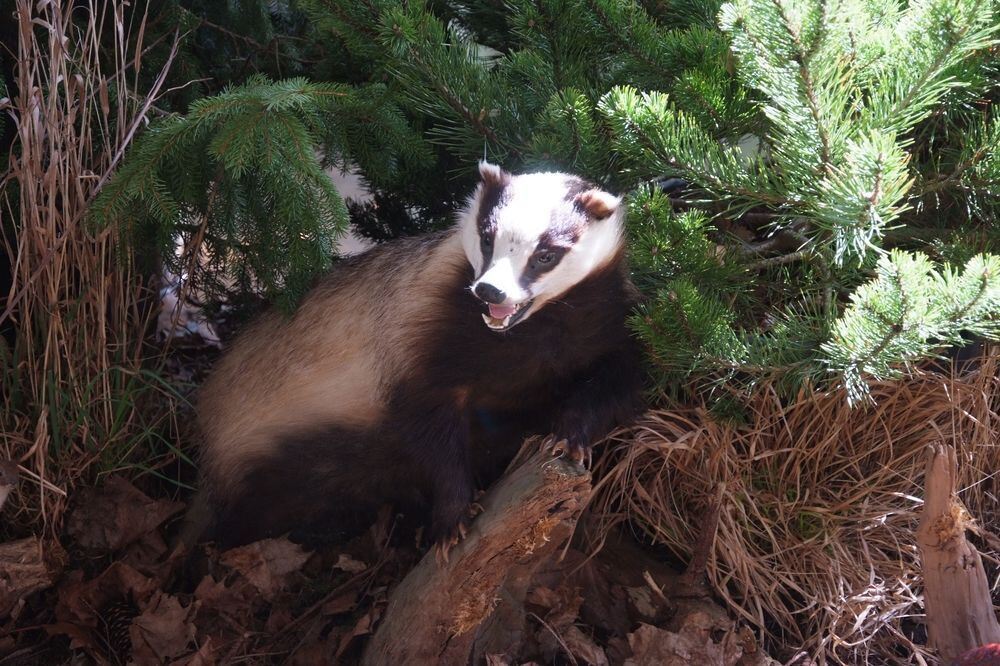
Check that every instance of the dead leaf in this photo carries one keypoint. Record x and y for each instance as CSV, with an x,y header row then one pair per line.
x,y
342,604
361,628
163,631
562,605
642,603
79,610
315,649
277,619
691,644
27,566
224,604
583,648
114,515
347,563
80,602
498,660
205,656
267,564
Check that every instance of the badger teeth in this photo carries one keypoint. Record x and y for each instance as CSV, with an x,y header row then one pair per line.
x,y
496,324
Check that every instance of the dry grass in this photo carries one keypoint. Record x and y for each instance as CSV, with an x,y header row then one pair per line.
x,y
816,540
73,385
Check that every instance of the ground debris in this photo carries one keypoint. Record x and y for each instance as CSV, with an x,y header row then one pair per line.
x,y
124,600
164,630
115,514
26,566
268,565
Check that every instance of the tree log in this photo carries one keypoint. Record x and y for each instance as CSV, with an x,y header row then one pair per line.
x,y
956,593
433,614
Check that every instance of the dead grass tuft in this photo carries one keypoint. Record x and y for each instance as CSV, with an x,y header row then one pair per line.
x,y
73,387
816,539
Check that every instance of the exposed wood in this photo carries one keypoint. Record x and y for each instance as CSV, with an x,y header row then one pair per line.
x,y
434,614
507,625
956,593
26,566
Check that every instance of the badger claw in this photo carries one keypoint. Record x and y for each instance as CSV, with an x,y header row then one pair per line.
x,y
447,533
581,455
443,548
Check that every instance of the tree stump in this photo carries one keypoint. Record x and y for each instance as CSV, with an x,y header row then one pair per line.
x,y
434,613
956,593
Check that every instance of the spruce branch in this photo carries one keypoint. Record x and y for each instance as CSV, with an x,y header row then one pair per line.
x,y
243,163
907,311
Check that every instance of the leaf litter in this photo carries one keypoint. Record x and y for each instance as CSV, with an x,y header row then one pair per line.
x,y
115,596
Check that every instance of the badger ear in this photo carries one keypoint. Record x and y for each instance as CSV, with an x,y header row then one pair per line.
x,y
493,175
597,203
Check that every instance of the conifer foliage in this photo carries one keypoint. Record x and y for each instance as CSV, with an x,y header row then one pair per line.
x,y
834,157
241,177
812,182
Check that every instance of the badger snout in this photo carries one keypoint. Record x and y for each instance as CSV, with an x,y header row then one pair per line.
x,y
502,314
489,294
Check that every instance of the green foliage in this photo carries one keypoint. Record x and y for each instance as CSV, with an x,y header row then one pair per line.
x,y
822,142
240,170
908,311
241,176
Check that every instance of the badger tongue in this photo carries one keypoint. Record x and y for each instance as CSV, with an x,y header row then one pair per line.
x,y
502,311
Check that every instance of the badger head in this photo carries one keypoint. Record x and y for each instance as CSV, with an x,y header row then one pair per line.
x,y
531,238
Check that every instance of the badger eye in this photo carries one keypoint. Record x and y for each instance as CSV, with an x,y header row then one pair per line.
x,y
487,241
545,257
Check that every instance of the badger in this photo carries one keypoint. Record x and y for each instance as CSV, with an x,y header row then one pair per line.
x,y
410,373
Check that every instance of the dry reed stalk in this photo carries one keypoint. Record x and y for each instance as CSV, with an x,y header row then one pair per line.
x,y
76,301
816,542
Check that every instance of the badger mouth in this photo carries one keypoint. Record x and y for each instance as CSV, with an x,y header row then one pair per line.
x,y
502,317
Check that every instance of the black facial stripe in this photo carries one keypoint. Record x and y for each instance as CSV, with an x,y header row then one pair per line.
x,y
562,235
487,239
535,268
494,197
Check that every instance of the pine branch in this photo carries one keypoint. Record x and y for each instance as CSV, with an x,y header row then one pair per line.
x,y
809,89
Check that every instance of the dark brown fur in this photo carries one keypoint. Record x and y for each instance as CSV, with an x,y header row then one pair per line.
x,y
572,369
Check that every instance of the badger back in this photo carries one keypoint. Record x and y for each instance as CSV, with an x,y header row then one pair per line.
x,y
333,362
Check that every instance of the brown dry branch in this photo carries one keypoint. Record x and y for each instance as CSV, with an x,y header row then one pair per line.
x,y
960,614
435,612
76,300
815,544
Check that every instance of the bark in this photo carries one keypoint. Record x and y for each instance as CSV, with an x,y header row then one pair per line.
x,y
957,600
434,614
26,566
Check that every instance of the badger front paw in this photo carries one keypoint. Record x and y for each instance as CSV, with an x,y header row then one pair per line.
x,y
450,524
570,447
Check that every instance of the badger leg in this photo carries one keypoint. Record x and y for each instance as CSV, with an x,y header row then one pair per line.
x,y
437,435
605,396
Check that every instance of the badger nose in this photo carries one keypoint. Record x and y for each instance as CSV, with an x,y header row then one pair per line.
x,y
489,293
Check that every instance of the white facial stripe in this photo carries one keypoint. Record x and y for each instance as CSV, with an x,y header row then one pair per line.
x,y
510,257
505,274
